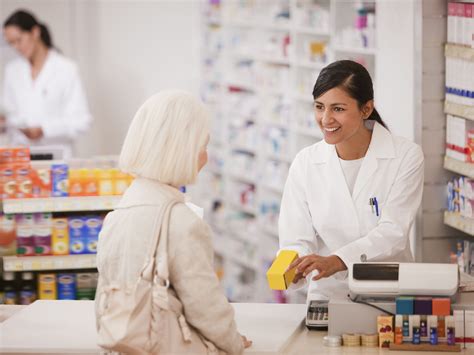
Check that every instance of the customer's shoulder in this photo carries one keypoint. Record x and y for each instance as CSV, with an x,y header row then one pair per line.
x,y
184,220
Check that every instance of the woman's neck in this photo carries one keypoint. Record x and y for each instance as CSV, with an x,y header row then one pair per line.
x,y
356,146
38,59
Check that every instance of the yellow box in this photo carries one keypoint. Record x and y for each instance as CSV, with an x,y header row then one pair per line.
x,y
47,287
277,276
60,236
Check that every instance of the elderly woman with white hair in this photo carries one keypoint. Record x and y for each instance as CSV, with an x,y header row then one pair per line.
x,y
165,148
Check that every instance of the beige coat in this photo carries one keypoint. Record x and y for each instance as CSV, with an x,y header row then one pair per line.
x,y
123,245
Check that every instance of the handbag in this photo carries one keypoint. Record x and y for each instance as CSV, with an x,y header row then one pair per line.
x,y
137,319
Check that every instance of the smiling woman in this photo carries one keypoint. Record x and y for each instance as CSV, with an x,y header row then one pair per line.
x,y
353,196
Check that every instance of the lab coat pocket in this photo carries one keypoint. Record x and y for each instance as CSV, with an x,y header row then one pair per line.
x,y
372,216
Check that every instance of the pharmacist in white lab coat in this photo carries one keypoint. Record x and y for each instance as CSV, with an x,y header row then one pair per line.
x,y
353,196
43,97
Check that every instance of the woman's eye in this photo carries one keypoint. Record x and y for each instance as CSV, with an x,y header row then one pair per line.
x,y
338,109
318,107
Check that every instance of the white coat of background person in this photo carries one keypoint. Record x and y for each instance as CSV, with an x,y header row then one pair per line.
x,y
44,101
328,212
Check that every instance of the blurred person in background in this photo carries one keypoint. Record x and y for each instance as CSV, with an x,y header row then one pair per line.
x,y
43,98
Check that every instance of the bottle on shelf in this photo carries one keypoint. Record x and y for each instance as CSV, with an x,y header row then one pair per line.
x,y
9,288
27,288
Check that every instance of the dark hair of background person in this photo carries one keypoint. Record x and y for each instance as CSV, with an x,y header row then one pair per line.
x,y
26,21
353,78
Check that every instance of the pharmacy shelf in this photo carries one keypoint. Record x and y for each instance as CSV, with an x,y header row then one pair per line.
x,y
457,51
276,157
308,65
358,50
311,31
459,110
247,179
305,98
53,262
459,167
60,204
246,209
273,60
275,188
310,132
455,220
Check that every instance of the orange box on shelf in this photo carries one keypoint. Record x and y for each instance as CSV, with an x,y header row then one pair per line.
x,y
75,183
41,180
8,183
121,182
90,182
21,154
23,180
441,306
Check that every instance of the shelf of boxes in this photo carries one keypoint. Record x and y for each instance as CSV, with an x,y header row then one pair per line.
x,y
52,262
60,204
455,220
267,66
459,167
459,110
457,51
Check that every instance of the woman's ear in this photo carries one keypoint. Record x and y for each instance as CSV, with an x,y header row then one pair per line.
x,y
368,109
36,32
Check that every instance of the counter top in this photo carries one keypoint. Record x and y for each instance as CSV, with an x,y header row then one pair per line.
x,y
69,327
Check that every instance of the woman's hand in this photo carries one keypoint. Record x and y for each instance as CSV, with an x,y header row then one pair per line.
x,y
326,266
247,343
33,133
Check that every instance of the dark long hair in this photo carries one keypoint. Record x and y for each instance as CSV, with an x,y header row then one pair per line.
x,y
353,78
26,21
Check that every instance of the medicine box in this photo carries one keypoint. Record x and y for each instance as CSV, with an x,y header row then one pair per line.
x,y
77,236
278,277
47,287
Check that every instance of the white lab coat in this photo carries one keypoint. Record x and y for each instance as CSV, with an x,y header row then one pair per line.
x,y
319,215
55,101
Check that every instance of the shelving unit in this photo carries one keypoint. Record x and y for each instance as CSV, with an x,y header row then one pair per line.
x,y
462,54
52,262
459,222
459,167
60,204
259,74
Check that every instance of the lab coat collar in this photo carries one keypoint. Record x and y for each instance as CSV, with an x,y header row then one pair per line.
x,y
381,146
148,192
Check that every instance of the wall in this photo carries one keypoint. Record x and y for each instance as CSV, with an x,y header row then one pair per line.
x,y
126,51
437,238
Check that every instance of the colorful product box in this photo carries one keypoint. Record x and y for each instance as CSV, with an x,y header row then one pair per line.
x,y
24,185
106,183
77,236
47,289
92,225
85,286
60,236
25,234
7,181
66,286
60,180
41,181
385,330
278,276
42,233
8,244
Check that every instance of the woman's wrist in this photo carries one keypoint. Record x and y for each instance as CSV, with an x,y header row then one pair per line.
x,y
341,266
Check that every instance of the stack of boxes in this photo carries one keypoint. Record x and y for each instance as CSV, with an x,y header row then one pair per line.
x,y
31,234
67,286
423,319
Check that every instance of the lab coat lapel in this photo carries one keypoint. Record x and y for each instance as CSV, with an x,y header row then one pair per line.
x,y
381,147
367,169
